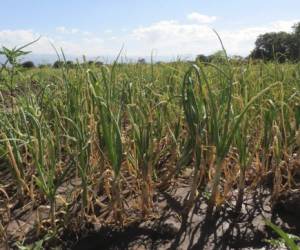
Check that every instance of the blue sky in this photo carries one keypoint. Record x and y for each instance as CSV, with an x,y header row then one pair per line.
x,y
166,28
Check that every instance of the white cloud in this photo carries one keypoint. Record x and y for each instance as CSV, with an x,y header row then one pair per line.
x,y
13,38
195,16
64,30
86,33
108,31
242,41
173,37
74,31
168,31
61,29
168,38
284,25
82,45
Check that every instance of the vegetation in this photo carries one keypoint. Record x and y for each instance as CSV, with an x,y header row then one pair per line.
x,y
124,132
282,46
28,64
273,46
288,240
218,56
57,64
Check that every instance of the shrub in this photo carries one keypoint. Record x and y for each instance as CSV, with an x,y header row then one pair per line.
x,y
142,60
98,63
57,64
69,63
202,58
28,64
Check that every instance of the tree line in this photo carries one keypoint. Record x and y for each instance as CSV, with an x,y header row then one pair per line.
x,y
58,64
280,46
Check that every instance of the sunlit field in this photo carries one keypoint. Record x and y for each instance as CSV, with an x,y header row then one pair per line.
x,y
161,149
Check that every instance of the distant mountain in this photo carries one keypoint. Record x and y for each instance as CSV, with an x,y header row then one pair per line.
x,y
51,58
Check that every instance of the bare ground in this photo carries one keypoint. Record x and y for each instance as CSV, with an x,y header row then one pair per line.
x,y
168,227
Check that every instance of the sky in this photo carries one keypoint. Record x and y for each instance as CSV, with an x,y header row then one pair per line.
x,y
164,28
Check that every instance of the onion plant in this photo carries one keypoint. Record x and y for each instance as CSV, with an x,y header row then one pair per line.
x,y
110,132
222,123
194,105
12,143
46,161
135,126
144,152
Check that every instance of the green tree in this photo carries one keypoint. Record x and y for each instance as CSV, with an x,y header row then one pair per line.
x,y
57,64
273,45
217,57
296,41
141,61
201,58
281,46
28,64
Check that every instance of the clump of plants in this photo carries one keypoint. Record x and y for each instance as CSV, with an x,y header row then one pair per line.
x,y
95,145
